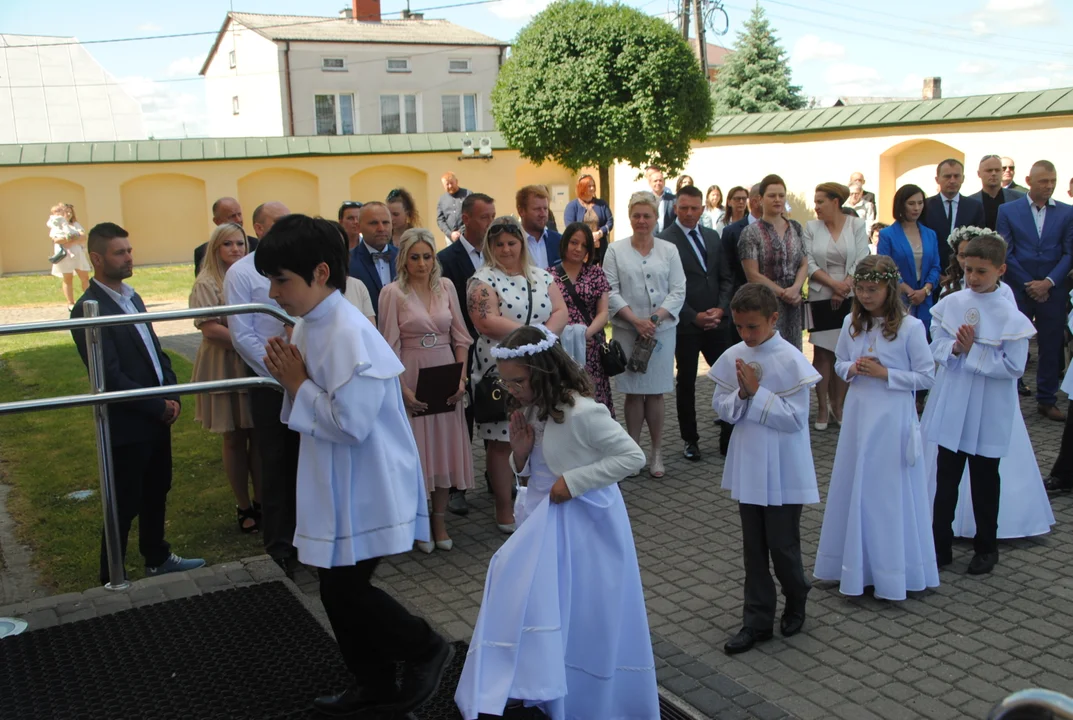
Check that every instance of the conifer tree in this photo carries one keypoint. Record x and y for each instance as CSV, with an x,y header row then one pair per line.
x,y
756,76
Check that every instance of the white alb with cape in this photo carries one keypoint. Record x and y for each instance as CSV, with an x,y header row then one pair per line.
x,y
877,522
769,461
562,624
361,492
1024,508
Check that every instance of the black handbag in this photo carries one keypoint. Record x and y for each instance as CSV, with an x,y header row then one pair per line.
x,y
60,255
489,397
612,356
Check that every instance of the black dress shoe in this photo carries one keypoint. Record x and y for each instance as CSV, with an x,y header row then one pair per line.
x,y
1022,389
745,639
692,452
792,622
1055,485
356,699
983,563
421,678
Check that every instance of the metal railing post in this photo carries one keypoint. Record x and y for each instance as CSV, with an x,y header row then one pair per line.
x,y
112,541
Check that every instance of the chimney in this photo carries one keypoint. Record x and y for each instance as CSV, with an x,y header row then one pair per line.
x,y
933,88
365,10
407,15
346,14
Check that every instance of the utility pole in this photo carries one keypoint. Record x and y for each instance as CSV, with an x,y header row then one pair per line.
x,y
702,45
683,20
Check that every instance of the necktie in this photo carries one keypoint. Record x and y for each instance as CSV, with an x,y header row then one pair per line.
x,y
950,213
700,247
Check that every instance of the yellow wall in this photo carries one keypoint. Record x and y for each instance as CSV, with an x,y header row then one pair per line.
x,y
167,206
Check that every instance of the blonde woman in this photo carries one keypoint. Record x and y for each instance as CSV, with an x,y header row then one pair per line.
x,y
508,291
421,318
226,413
648,289
65,232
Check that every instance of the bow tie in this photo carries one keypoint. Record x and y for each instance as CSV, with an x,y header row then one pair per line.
x,y
385,256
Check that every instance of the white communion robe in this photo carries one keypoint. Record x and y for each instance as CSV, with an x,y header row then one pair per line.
x,y
360,492
877,522
562,624
769,461
1024,508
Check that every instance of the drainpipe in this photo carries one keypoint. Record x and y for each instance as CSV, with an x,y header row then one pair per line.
x,y
290,99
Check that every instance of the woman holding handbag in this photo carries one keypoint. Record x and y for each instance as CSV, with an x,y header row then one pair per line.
x,y
508,291
585,290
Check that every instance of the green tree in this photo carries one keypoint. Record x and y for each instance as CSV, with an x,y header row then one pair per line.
x,y
589,84
756,76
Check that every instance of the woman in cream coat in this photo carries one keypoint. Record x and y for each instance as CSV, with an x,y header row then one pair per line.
x,y
562,624
834,244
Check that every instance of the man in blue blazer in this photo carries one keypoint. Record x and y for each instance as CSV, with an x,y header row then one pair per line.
x,y
140,429
532,203
949,210
1039,232
373,259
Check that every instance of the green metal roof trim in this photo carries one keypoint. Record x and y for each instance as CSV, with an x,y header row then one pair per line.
x,y
237,148
1004,106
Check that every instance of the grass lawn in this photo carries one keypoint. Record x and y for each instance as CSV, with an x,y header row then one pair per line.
x,y
46,455
162,282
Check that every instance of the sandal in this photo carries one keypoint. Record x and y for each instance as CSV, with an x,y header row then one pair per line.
x,y
249,513
656,469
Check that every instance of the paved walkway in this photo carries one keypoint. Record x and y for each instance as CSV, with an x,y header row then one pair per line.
x,y
948,653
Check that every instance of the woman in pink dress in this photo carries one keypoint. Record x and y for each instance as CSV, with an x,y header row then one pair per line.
x,y
421,318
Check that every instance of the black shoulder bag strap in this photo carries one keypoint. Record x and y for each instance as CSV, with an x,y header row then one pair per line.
x,y
574,296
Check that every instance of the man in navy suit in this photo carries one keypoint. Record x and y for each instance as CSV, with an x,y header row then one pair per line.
x,y
950,210
701,330
1039,232
532,205
140,429
373,259
657,181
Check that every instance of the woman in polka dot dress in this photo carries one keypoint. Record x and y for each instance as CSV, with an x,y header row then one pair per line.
x,y
498,301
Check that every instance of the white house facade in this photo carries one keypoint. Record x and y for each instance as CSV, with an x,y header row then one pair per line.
x,y
279,75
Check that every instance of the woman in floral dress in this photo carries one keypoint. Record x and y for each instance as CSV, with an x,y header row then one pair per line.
x,y
576,269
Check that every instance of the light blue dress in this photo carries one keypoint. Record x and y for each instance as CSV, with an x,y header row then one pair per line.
x,y
562,624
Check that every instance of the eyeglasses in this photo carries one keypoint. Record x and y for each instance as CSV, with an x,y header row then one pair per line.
x,y
1008,167
739,198
510,384
505,227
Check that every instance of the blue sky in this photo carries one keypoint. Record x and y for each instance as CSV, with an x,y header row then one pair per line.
x,y
837,47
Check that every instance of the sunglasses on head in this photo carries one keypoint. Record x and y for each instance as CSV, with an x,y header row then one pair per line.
x,y
394,195
349,204
505,227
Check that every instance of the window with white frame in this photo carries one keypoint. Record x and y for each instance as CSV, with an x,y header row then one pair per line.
x,y
458,65
234,105
459,113
400,65
334,113
333,64
231,59
398,114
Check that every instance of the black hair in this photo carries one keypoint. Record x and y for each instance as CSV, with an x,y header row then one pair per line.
x,y
753,297
590,242
691,191
467,204
103,233
300,243
902,196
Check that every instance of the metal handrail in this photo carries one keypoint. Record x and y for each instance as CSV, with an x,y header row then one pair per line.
x,y
98,397
1034,705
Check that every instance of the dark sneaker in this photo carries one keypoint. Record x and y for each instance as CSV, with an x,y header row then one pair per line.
x,y
692,452
173,564
421,678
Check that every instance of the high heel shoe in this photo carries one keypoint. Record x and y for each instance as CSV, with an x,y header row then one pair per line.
x,y
507,528
821,425
425,547
442,544
656,469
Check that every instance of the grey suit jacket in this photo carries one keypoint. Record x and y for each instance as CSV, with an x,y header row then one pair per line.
x,y
704,289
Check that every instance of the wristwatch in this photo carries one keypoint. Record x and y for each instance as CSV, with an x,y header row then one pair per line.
x,y
654,318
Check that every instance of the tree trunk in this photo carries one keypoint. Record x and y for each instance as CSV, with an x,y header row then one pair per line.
x,y
605,184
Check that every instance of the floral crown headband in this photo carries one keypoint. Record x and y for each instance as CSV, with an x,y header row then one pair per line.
x,y
968,232
876,276
550,338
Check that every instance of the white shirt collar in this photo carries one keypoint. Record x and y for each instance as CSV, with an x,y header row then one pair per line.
x,y
753,219
469,248
371,251
686,230
543,236
126,294
1032,203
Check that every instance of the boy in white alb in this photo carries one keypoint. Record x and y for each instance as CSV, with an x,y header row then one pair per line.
x,y
762,389
360,489
982,342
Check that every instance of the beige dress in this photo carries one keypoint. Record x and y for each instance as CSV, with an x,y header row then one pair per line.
x,y
217,412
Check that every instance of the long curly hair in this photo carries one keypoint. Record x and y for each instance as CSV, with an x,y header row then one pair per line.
x,y
556,380
892,311
954,273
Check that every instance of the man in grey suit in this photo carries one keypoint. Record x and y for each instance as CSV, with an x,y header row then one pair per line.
x,y
993,194
657,181
709,283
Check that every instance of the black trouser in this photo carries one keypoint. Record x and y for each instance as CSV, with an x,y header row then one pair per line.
x,y
1063,464
142,474
984,481
373,630
278,447
687,349
771,531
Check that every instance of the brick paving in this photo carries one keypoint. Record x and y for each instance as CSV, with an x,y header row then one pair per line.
x,y
952,652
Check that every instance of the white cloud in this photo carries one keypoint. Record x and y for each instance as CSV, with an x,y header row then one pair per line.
x,y
149,27
171,110
518,9
185,66
812,47
999,14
